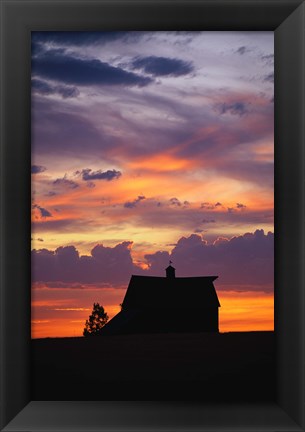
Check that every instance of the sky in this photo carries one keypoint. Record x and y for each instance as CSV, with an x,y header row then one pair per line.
x,y
149,147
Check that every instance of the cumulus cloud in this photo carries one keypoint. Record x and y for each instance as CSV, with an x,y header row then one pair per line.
x,y
104,264
133,204
162,66
36,169
59,66
246,260
243,260
89,175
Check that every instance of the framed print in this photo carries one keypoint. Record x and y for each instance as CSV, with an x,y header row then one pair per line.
x,y
114,116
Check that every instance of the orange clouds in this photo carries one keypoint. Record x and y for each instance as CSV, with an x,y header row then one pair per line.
x,y
148,163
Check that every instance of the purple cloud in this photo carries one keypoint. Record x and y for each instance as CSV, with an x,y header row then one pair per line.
x,y
36,169
236,108
269,77
240,206
162,66
43,212
44,88
175,202
243,260
65,182
207,206
242,50
246,260
105,264
88,174
133,204
59,66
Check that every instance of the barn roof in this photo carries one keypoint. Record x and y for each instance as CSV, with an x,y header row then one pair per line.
x,y
164,292
119,322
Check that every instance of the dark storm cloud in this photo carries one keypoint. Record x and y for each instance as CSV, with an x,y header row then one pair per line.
x,y
162,66
43,212
88,174
242,260
36,169
55,65
43,88
133,204
236,108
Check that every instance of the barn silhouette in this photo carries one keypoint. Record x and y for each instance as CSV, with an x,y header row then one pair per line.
x,y
167,304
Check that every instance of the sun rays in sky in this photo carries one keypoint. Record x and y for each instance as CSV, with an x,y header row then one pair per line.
x,y
150,146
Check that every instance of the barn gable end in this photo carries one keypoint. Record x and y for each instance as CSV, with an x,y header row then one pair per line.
x,y
167,304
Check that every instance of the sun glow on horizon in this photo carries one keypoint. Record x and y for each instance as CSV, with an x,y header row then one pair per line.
x,y
154,146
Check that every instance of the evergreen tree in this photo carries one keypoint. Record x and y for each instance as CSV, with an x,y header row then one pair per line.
x,y
96,321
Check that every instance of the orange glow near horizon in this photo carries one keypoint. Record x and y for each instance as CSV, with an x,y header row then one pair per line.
x,y
170,158
247,311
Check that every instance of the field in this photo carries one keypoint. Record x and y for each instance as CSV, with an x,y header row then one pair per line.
x,y
224,368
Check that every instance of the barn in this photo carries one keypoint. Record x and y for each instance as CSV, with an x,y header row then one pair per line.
x,y
167,304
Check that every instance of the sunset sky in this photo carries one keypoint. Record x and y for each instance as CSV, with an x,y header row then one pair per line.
x,y
146,147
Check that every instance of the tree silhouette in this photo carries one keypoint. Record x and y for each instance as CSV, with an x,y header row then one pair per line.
x,y
96,321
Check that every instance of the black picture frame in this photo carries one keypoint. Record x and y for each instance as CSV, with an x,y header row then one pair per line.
x,y
18,18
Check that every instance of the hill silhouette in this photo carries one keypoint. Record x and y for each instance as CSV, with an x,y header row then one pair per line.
x,y
211,367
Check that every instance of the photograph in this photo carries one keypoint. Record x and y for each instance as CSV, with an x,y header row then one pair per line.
x,y
152,204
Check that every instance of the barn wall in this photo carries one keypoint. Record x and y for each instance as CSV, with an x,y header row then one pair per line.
x,y
176,320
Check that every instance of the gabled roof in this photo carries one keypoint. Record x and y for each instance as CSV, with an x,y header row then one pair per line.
x,y
163,292
119,322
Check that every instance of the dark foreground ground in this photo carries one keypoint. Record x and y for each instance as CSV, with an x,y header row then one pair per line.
x,y
229,367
